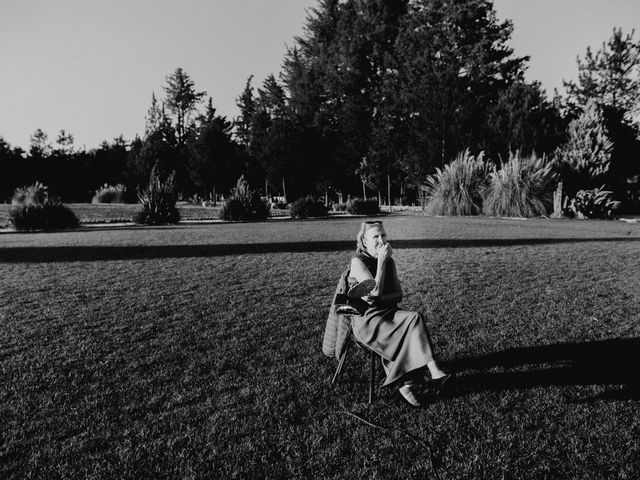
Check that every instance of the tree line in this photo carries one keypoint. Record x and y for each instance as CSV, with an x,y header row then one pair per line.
x,y
373,91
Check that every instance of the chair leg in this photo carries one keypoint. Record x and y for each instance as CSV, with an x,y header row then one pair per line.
x,y
372,376
343,357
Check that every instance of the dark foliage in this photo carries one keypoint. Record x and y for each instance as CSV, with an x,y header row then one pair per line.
x,y
359,206
307,207
50,216
34,209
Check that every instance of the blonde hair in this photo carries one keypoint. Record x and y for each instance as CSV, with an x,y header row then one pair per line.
x,y
363,228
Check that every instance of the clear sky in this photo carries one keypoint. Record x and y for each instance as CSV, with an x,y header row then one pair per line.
x,y
90,66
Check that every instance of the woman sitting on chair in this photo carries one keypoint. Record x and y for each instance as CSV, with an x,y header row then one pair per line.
x,y
400,337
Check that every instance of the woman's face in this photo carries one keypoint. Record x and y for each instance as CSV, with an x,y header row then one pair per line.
x,y
374,238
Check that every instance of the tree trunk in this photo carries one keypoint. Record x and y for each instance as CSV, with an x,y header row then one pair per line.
x,y
284,191
266,189
389,191
379,198
326,196
557,202
364,191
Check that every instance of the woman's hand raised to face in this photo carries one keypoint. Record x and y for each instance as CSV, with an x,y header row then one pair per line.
x,y
384,252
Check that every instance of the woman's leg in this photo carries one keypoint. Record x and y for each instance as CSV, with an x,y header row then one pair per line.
x,y
432,364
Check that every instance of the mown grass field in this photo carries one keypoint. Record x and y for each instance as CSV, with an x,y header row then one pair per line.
x,y
194,351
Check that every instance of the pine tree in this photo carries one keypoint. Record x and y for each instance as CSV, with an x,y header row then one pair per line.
x,y
182,100
611,76
154,116
247,105
452,62
213,163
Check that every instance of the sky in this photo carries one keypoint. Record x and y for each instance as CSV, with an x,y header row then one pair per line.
x,y
90,66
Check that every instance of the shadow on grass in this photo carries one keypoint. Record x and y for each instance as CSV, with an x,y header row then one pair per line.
x,y
98,253
607,363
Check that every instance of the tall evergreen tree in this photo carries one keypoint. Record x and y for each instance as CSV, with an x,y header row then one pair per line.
x,y
335,75
611,76
214,163
154,116
452,62
182,100
158,146
39,144
247,105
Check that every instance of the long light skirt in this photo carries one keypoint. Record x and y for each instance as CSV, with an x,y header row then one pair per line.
x,y
400,337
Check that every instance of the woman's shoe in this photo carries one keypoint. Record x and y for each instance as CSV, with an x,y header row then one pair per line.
x,y
439,382
412,393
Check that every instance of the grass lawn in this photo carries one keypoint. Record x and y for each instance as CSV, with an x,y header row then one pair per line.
x,y
194,351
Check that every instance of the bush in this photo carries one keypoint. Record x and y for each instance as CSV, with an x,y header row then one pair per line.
x,y
109,194
359,206
244,204
158,201
339,207
36,194
521,188
457,188
307,207
279,205
34,209
584,160
596,203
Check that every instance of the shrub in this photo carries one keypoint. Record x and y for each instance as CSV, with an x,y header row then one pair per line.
x,y
583,161
596,203
457,188
307,207
521,188
277,205
244,204
158,201
359,206
34,209
109,194
36,194
339,207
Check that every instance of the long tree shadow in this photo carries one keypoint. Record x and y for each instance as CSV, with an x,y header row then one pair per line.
x,y
99,253
606,362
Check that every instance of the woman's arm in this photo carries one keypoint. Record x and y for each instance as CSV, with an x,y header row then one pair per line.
x,y
395,292
360,272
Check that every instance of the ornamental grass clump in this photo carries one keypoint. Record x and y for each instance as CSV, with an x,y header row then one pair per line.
x,y
158,201
34,209
244,204
109,194
456,189
520,188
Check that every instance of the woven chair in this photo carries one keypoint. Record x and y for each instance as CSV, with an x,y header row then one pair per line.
x,y
373,356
